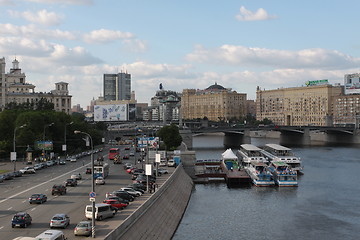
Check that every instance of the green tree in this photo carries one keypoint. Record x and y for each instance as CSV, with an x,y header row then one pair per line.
x,y
170,135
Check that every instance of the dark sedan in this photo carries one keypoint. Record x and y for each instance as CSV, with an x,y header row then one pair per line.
x,y
37,198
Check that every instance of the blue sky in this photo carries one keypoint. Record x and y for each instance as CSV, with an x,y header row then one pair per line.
x,y
181,44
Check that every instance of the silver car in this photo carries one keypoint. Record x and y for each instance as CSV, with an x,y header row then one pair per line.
x,y
83,228
60,221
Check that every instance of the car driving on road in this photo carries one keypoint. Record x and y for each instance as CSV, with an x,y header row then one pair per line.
x,y
71,182
37,198
58,189
60,220
21,219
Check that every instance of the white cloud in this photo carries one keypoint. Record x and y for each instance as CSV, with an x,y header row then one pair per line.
x,y
135,45
34,32
42,17
262,57
106,36
6,3
247,15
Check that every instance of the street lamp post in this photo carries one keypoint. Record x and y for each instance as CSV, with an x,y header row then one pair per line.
x,y
47,125
92,180
14,143
65,147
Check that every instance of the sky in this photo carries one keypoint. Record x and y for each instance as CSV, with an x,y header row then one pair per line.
x,y
183,44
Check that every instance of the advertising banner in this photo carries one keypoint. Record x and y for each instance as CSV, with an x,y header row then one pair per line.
x,y
108,113
44,145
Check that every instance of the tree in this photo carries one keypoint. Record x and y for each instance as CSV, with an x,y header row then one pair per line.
x,y
170,135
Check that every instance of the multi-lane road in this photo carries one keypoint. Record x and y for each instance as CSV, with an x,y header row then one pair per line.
x,y
14,196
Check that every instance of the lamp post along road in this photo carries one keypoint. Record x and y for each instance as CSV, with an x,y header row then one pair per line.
x,y
13,155
47,125
92,180
64,146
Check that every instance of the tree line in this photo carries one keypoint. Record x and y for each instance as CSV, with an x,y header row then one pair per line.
x,y
29,126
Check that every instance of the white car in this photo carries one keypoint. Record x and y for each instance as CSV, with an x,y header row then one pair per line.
x,y
171,163
27,170
73,159
99,181
131,191
76,176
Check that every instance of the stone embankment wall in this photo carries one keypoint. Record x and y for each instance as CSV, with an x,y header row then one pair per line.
x,y
160,215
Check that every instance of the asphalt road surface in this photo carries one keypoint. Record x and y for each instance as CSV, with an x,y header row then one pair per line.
x,y
14,196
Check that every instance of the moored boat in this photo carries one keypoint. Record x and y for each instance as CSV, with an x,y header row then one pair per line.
x,y
279,153
283,175
259,173
248,153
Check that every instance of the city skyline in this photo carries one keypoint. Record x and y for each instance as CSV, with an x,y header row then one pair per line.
x,y
238,44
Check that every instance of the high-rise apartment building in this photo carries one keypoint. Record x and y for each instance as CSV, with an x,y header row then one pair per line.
x,y
215,103
14,88
117,86
298,106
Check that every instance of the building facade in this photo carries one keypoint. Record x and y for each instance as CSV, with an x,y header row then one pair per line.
x,y
14,88
298,106
117,87
216,103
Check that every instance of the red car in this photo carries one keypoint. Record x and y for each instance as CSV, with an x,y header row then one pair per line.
x,y
129,170
115,203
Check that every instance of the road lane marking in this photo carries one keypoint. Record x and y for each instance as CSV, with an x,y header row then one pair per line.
x,y
1,227
33,209
17,194
9,208
24,201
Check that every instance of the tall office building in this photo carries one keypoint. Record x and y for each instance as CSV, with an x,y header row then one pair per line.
x,y
117,86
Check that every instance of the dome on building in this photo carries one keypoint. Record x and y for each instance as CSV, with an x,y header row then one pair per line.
x,y
216,87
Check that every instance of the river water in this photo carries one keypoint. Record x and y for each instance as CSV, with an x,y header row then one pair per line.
x,y
325,205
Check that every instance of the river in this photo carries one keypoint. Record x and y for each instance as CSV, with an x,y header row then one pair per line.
x,y
325,205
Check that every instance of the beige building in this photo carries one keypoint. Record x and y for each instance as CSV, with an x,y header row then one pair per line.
x,y
347,110
13,88
298,106
215,102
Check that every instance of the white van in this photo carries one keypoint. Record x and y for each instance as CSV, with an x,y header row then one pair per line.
x,y
51,235
102,211
171,163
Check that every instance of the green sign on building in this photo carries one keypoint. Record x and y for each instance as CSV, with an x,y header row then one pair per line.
x,y
317,82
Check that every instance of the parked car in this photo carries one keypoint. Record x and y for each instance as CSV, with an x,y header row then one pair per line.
x,y
138,186
163,171
99,181
113,197
38,166
62,162
1,178
27,170
71,182
73,159
123,194
37,198
21,219
131,191
17,174
8,176
83,228
58,189
60,220
116,203
76,176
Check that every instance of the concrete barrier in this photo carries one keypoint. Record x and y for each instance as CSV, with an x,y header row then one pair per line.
x,y
160,215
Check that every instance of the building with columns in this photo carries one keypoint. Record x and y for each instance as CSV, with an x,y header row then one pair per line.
x,y
14,88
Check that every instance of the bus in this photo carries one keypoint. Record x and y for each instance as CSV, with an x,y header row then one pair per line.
x,y
101,170
113,152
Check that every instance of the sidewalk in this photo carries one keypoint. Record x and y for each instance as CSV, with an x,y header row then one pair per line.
x,y
9,166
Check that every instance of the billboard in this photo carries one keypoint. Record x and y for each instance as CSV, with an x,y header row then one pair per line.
x,y
44,145
152,142
317,82
108,113
352,83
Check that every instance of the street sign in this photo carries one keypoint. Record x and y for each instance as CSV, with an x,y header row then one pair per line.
x,y
92,194
92,199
